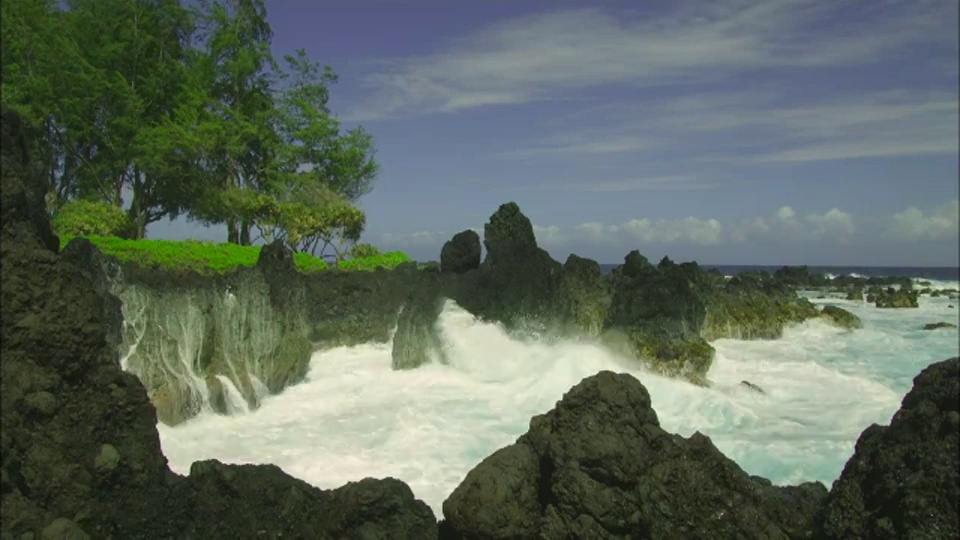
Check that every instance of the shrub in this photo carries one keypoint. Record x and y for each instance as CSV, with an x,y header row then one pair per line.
x,y
363,251
87,218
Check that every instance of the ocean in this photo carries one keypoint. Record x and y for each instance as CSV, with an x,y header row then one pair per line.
x,y
939,273
354,417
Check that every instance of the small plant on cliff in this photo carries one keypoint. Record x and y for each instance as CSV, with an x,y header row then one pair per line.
x,y
83,218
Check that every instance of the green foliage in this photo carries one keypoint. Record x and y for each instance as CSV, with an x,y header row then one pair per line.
x,y
363,251
210,258
82,218
186,109
388,260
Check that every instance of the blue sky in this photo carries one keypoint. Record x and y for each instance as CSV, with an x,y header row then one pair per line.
x,y
727,132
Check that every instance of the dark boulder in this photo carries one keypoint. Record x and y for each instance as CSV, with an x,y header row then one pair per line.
x,y
903,480
599,466
285,507
461,253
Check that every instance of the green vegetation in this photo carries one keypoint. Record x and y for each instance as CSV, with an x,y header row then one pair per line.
x,y
84,218
165,108
208,257
391,259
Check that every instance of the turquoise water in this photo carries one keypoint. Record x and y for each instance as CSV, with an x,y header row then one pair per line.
x,y
355,417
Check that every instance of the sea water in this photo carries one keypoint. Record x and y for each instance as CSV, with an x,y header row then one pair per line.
x,y
354,417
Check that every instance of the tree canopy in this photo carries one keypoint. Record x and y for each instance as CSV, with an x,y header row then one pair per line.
x,y
165,109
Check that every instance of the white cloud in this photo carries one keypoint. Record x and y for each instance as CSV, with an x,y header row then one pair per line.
x,y
942,223
687,230
554,55
549,236
784,225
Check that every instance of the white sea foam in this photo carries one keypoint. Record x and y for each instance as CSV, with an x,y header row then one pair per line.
x,y
354,417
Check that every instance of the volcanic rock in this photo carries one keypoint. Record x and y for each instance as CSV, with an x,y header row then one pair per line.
x,y
461,253
599,466
903,480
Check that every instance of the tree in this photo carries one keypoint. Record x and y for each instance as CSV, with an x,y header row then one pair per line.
x,y
314,147
185,111
237,118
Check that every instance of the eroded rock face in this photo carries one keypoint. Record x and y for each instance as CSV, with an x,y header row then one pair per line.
x,y
599,466
903,480
79,450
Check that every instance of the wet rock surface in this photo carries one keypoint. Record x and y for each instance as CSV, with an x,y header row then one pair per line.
x,y
903,480
599,466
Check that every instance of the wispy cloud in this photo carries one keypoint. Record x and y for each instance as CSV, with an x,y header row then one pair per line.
x,y
581,144
552,55
651,183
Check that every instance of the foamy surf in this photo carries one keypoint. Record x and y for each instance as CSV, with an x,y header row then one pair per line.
x,y
355,417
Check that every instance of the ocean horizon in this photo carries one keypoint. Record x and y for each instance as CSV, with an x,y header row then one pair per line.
x,y
939,273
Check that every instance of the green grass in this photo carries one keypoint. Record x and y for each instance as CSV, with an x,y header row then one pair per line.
x,y
209,257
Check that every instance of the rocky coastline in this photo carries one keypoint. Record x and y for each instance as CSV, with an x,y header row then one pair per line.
x,y
81,456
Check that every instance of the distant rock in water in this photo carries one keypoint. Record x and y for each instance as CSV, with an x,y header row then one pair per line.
x,y
936,325
461,253
841,317
903,480
752,386
891,298
855,295
599,466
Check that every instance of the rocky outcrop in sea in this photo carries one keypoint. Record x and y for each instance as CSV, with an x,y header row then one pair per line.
x,y
80,456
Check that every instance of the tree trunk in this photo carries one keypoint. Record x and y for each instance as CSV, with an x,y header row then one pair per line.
x,y
232,236
245,233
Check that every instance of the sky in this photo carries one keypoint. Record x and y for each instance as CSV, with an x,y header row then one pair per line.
x,y
724,131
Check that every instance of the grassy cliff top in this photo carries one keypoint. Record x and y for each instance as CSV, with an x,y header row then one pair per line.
x,y
209,257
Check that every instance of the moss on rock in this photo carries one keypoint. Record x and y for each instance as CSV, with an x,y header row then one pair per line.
x,y
840,317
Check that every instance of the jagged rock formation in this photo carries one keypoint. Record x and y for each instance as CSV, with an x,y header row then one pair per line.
x,y
461,253
79,452
599,466
903,480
